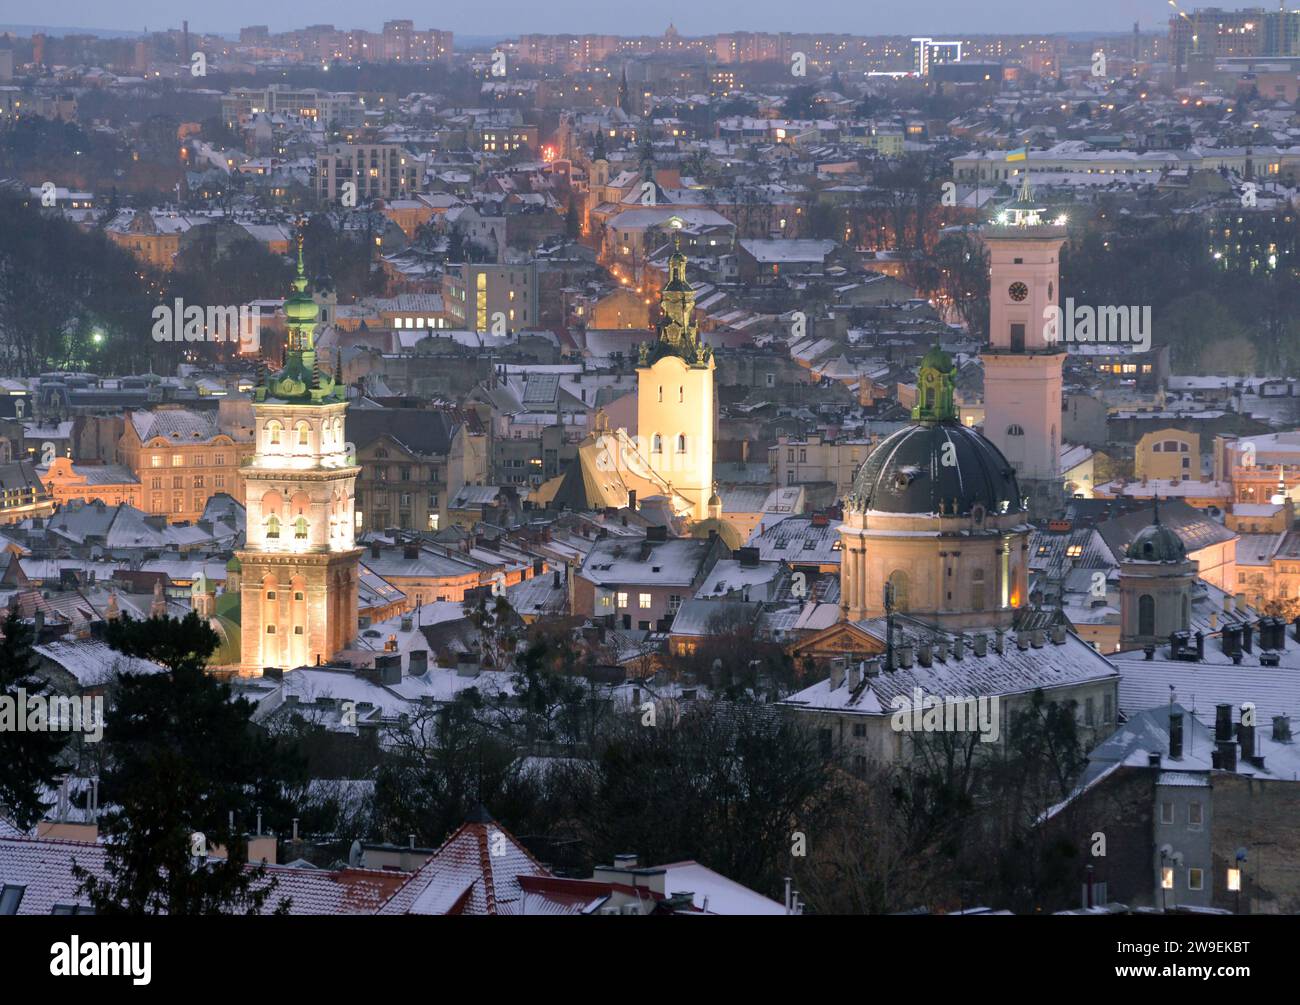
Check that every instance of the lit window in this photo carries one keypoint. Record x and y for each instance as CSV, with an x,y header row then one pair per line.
x,y
622,600
645,601
1167,878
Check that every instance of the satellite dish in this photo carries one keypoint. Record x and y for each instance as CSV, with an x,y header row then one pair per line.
x,y
356,857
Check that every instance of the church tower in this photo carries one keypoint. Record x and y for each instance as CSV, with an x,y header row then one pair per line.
x,y
675,408
1022,365
298,569
1156,579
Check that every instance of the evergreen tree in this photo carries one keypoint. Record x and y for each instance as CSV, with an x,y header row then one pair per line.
x,y
30,759
182,761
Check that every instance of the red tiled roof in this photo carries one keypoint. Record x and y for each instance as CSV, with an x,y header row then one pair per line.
x,y
45,867
477,871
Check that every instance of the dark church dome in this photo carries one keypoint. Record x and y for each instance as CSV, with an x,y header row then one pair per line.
x,y
1157,543
936,467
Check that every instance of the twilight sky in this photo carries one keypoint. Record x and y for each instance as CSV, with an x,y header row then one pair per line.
x,y
509,17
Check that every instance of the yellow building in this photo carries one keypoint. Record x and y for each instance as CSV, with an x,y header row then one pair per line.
x,y
299,568
180,458
1167,454
675,407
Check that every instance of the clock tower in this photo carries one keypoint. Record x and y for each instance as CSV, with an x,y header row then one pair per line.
x,y
299,579
1024,360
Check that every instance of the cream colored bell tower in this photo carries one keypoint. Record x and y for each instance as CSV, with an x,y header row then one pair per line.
x,y
675,405
299,581
1023,362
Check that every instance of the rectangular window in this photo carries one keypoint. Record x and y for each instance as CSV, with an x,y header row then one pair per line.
x,y
177,460
1194,816
622,600
1017,338
645,601
674,603
270,629
1166,812
1195,879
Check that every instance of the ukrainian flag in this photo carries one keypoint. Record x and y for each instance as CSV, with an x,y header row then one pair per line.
x,y
1019,154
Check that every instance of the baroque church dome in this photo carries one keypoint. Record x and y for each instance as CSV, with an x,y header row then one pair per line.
x,y
936,465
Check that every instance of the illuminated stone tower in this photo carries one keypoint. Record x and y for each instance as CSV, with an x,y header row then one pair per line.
x,y
675,408
299,565
1022,365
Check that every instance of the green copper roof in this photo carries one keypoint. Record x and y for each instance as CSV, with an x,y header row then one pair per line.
x,y
935,383
301,382
679,333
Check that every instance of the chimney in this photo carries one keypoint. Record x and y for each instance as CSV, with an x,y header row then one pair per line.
x,y
1176,736
418,662
981,644
958,648
1227,751
941,650
625,861
1246,740
905,656
389,667
1022,641
631,498
1281,729
855,675
1200,645
1000,641
407,622
1036,638
1058,635
1227,604
1297,627
1247,633
1149,651
837,672
924,654
1222,723
1153,759
374,549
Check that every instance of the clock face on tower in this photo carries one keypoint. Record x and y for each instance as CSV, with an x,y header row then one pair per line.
x,y
1017,291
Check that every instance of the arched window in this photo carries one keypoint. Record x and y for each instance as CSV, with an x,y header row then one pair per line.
x,y
681,443
661,392
681,394
273,528
300,528
304,434
273,430
1014,430
1146,614
896,590
657,444
977,590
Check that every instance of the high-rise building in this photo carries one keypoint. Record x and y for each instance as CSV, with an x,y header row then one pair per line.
x,y
299,568
675,406
1023,362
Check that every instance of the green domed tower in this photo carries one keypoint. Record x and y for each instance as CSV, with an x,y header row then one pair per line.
x,y
300,381
298,571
